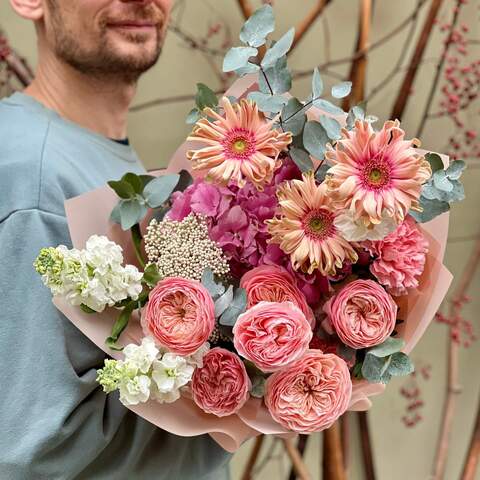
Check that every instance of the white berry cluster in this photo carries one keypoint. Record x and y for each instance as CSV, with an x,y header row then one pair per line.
x,y
184,249
94,277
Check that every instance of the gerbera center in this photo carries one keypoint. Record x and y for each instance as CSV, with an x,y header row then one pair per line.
x,y
240,145
319,223
376,175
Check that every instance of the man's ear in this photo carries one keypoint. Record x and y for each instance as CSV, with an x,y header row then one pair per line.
x,y
29,9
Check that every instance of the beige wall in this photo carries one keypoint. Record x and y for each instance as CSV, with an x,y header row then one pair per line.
x,y
400,453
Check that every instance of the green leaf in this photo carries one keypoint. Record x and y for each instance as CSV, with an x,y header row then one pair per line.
x,y
137,243
122,189
328,107
454,171
205,97
115,216
258,26
237,57
120,324
315,139
146,179
435,161
208,281
331,126
342,90
279,78
159,190
374,368
431,209
267,102
281,47
222,303
293,116
237,307
400,365
302,159
317,84
258,386
388,347
135,181
151,276
131,212
357,370
87,309
193,116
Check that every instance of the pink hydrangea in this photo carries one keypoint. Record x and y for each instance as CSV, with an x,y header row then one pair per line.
x,y
236,220
399,258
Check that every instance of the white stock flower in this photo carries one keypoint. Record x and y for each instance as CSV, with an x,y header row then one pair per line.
x,y
356,231
135,390
170,374
196,359
103,254
141,356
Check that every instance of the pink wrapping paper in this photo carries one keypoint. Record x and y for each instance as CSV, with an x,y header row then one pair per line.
x,y
88,214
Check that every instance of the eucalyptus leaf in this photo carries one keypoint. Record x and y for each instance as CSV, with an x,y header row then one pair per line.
x,y
193,116
238,306
431,209
131,212
374,368
146,179
388,347
268,103
359,112
237,57
441,181
293,116
454,171
400,365
435,161
247,69
321,172
160,189
205,97
184,182
277,78
222,303
327,106
315,139
134,180
258,386
208,281
331,126
301,158
258,26
122,188
342,90
317,84
281,47
115,214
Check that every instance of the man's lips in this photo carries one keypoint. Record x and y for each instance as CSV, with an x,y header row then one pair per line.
x,y
135,24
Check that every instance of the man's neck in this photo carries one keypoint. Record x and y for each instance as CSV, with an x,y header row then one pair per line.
x,y
98,104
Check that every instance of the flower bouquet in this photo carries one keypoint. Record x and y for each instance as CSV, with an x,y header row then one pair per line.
x,y
279,271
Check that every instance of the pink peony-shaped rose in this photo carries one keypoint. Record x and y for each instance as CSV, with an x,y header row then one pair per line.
x,y
272,335
362,314
272,283
221,386
310,394
400,257
180,315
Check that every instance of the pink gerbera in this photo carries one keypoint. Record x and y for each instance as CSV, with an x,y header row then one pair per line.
x,y
305,228
376,172
240,146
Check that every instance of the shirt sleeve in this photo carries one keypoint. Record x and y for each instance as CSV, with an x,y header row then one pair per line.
x,y
56,421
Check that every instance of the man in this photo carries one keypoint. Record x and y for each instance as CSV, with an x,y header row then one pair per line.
x,y
66,134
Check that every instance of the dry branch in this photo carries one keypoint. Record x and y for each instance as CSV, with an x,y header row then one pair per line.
x,y
366,443
296,459
471,460
406,87
332,462
252,459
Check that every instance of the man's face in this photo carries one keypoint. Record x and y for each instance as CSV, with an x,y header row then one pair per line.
x,y
122,38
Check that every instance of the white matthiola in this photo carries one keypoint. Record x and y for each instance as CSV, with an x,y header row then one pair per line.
x,y
94,277
170,374
356,231
196,359
141,356
135,390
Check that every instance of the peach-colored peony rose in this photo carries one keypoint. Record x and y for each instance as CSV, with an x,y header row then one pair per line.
x,y
310,394
180,315
221,386
272,283
363,314
400,258
272,335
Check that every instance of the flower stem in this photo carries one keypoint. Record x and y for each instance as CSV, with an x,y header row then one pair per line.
x,y
137,243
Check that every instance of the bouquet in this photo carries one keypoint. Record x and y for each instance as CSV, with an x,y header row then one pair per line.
x,y
277,274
